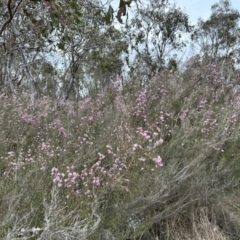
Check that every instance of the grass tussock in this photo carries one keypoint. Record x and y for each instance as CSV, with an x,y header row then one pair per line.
x,y
153,162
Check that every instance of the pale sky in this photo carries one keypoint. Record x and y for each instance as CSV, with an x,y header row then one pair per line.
x,y
200,8
194,8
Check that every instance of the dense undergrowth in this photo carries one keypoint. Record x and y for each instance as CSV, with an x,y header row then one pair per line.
x,y
160,161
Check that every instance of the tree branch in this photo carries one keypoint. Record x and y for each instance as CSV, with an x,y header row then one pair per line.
x,y
10,15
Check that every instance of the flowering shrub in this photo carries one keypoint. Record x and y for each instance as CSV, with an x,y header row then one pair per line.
x,y
157,155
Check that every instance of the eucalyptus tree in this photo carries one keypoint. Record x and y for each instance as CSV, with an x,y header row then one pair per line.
x,y
155,31
29,28
106,62
92,49
25,34
17,44
219,36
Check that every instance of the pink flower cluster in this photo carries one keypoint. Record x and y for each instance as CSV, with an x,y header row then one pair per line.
x,y
29,118
67,180
158,161
140,108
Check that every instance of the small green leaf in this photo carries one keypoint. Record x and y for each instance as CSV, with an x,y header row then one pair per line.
x,y
65,36
109,16
77,20
106,19
54,19
110,11
97,13
74,5
60,46
78,13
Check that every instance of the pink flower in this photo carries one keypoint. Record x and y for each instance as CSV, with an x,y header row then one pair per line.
x,y
57,179
142,159
158,161
101,156
155,134
54,170
11,154
61,131
75,174
115,166
96,181
87,192
43,168
159,142
135,146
